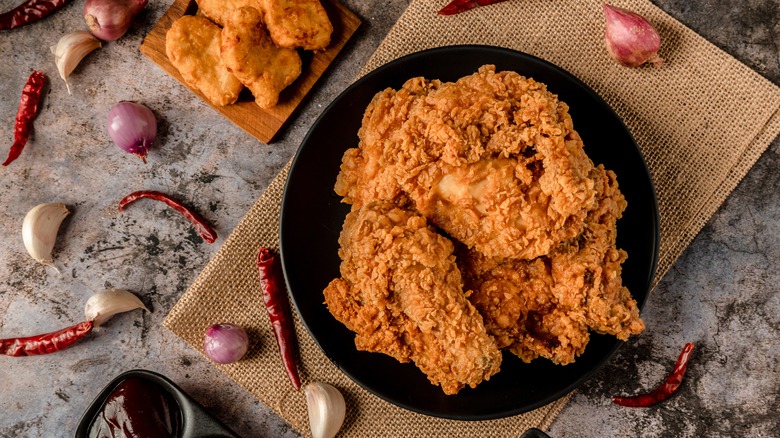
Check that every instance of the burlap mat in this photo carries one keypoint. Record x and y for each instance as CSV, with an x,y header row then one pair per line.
x,y
702,120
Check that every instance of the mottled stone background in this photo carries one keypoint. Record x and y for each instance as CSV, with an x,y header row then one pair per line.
x,y
721,294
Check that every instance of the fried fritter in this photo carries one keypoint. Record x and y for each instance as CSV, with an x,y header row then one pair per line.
x,y
402,294
297,23
546,306
192,45
492,159
250,54
219,10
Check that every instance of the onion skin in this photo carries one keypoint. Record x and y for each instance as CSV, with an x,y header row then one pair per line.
x,y
133,128
631,39
225,343
110,19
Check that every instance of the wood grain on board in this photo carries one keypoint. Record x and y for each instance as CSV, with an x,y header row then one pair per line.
x,y
261,123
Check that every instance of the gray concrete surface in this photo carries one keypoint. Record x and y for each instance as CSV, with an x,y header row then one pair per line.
x,y
721,294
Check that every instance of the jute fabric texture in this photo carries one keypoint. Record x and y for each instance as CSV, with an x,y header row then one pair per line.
x,y
701,120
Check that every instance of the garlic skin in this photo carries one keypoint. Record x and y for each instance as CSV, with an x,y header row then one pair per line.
x,y
103,305
39,231
70,50
327,409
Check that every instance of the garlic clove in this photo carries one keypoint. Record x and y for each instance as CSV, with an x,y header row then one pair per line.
x,y
39,231
103,305
70,50
327,409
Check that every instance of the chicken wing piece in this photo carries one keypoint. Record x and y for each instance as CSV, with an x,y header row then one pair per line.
x,y
546,306
250,54
492,159
298,23
192,44
402,294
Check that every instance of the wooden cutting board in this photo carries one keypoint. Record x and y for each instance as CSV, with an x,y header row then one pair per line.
x,y
261,123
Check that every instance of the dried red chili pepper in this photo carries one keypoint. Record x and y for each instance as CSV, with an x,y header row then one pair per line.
x,y
45,343
28,109
203,228
278,309
663,392
29,12
458,6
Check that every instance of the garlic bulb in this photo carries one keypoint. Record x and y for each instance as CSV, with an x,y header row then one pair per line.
x,y
327,409
103,305
39,231
70,50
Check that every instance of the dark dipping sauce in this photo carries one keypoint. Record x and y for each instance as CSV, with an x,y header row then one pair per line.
x,y
137,408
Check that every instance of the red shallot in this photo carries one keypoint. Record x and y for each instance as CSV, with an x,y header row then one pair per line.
x,y
225,343
133,128
110,19
631,39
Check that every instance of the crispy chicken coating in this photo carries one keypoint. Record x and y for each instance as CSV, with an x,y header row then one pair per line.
x,y
489,165
297,23
492,159
401,293
219,11
250,54
192,44
546,306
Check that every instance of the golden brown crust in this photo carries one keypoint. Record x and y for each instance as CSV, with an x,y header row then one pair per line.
x,y
192,45
494,162
250,54
401,292
219,11
545,307
297,23
492,159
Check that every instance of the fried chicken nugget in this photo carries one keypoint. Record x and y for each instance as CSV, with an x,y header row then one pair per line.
x,y
297,23
219,10
250,54
192,44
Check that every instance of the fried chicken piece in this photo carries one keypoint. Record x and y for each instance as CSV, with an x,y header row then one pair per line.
x,y
492,159
297,23
192,45
250,54
546,306
402,294
219,11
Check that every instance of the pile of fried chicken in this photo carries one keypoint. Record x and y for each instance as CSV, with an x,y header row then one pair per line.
x,y
477,223
234,44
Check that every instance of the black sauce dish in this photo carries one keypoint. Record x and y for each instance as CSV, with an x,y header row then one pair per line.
x,y
192,419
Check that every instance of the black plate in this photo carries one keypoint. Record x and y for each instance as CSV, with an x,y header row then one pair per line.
x,y
196,422
312,216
